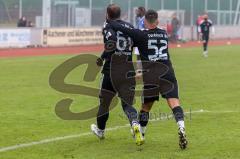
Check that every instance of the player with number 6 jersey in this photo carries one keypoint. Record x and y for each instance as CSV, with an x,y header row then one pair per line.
x,y
153,47
121,45
115,43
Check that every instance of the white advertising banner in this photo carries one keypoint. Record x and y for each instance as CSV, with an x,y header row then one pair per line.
x,y
15,37
72,36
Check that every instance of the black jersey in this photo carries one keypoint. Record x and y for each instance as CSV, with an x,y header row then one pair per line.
x,y
152,44
205,26
123,44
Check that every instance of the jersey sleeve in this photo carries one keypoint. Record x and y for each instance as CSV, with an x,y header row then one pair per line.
x,y
109,36
212,27
200,27
135,34
210,22
104,55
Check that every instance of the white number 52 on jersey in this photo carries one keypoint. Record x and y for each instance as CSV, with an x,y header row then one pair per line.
x,y
159,53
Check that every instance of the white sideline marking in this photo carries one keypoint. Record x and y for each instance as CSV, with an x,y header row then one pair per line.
x,y
4,149
45,141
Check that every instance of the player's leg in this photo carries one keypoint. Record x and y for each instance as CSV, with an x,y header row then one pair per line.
x,y
132,115
147,103
172,97
130,112
127,97
173,101
177,110
205,45
144,115
105,97
178,113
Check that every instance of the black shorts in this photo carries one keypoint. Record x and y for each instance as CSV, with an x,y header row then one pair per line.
x,y
168,87
205,37
106,84
108,90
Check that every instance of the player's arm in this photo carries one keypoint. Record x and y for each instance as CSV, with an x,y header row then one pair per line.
x,y
213,30
200,28
110,40
135,34
100,60
212,27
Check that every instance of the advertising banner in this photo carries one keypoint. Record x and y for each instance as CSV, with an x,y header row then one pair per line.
x,y
72,36
15,37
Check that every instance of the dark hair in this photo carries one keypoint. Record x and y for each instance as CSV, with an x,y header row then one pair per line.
x,y
113,11
151,16
142,11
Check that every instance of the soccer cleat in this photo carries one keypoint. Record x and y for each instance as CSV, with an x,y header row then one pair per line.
x,y
142,130
205,53
96,131
137,134
182,139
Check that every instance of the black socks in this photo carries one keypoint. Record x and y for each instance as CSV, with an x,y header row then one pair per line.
x,y
143,118
102,120
178,113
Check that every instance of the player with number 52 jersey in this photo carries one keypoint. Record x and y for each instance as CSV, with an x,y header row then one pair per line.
x,y
152,43
153,47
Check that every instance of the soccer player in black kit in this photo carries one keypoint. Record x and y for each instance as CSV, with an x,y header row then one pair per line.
x,y
204,30
153,47
121,45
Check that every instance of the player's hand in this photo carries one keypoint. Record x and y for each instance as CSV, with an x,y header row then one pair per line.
x,y
99,62
138,75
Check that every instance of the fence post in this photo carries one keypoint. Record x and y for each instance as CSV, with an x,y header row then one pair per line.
x,y
218,12
236,13
46,13
178,7
90,8
230,12
162,4
191,10
20,9
69,14
146,4
206,6
129,10
192,26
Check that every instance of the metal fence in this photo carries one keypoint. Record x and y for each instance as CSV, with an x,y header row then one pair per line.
x,y
74,13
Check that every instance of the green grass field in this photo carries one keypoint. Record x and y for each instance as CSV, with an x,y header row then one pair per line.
x,y
27,113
